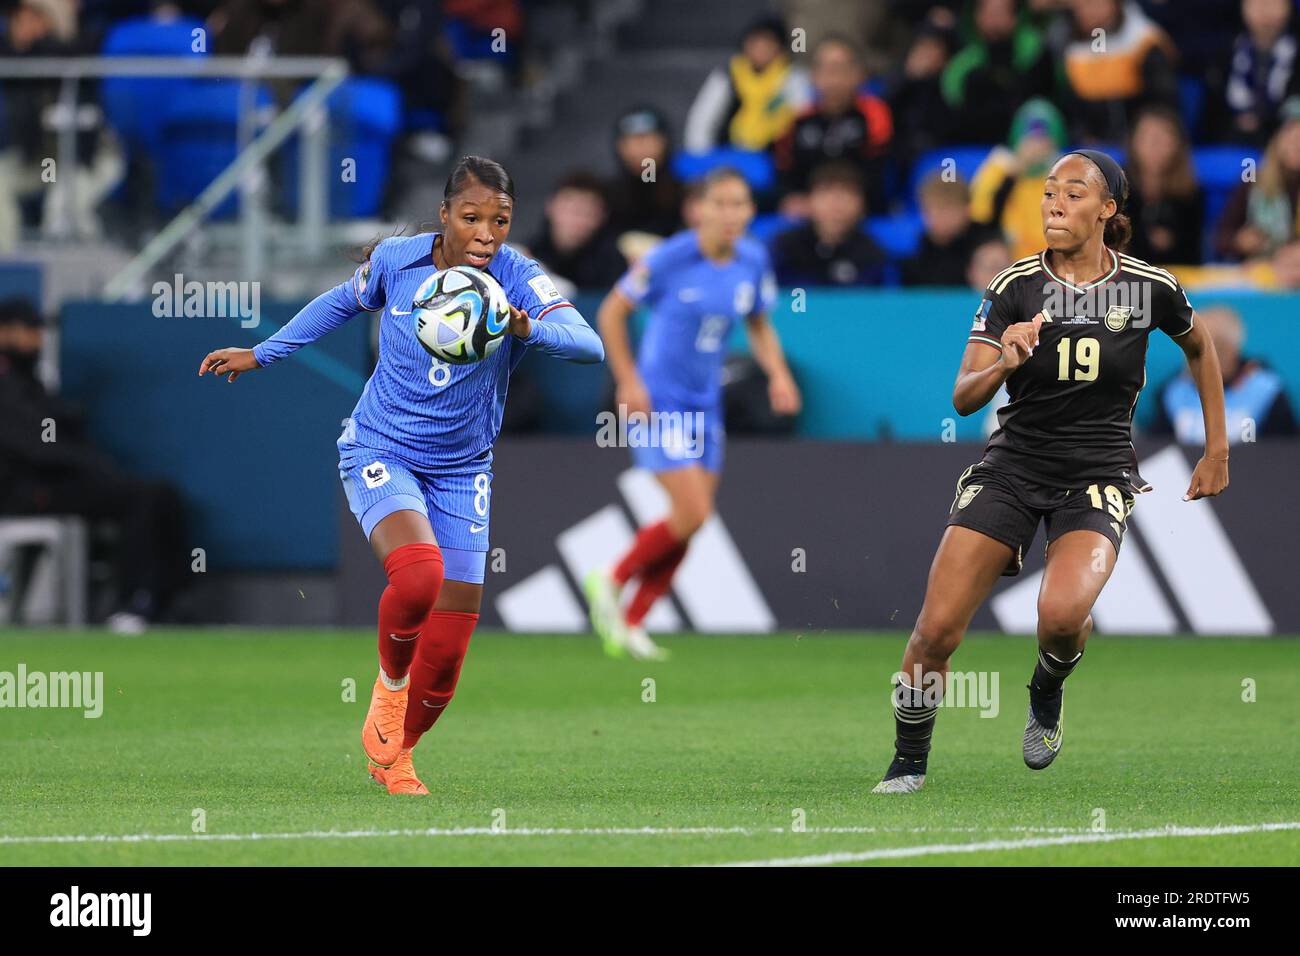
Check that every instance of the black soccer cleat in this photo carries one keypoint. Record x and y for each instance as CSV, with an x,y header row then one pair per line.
x,y
906,774
1043,728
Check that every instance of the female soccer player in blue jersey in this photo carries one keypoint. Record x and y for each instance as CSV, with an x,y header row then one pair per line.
x,y
416,457
696,284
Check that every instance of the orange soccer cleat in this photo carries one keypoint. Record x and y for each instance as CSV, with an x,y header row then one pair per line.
x,y
381,736
400,777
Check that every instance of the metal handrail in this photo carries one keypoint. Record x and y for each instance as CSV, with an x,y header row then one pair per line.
x,y
244,172
239,67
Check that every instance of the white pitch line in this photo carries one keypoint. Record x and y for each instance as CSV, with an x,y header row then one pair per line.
x,y
1029,843
543,832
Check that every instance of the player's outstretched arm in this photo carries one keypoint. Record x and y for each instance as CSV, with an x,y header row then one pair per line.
x,y
320,316
1210,476
564,333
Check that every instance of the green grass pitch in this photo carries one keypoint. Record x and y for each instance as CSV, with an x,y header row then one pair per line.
x,y
552,754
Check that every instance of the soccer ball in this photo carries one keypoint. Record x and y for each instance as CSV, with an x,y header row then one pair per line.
x,y
461,315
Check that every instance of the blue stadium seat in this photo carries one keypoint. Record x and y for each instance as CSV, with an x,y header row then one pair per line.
x,y
470,43
766,226
200,134
1219,170
755,166
899,236
1191,98
135,107
365,116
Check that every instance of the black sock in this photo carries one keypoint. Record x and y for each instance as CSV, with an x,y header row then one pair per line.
x,y
1045,687
913,727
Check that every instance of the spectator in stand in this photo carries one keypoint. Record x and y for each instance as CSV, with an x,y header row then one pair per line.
x,y
752,101
873,23
1260,72
71,476
950,238
355,29
1165,201
422,63
1005,63
574,243
990,257
844,124
922,120
831,248
1105,85
1261,215
1198,29
1284,268
644,195
1254,396
1007,189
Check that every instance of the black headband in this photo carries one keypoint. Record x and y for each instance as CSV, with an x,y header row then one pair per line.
x,y
1116,181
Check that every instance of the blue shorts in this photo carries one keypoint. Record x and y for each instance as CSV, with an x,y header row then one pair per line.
x,y
678,439
458,506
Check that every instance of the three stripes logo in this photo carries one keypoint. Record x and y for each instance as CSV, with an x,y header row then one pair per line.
x,y
1183,545
713,590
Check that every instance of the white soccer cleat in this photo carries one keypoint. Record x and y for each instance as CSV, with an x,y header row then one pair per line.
x,y
908,783
639,644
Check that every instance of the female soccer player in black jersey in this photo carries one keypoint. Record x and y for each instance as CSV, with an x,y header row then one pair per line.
x,y
1066,330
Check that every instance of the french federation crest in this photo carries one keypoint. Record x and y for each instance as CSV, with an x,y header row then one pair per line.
x,y
1118,316
968,495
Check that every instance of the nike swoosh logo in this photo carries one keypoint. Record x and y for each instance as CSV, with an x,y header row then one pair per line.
x,y
432,706
382,738
395,312
475,529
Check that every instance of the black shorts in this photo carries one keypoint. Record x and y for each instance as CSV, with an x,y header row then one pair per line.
x,y
1007,507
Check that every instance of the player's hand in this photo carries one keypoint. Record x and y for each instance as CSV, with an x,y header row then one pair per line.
x,y
1019,341
521,326
633,396
229,362
784,395
1209,478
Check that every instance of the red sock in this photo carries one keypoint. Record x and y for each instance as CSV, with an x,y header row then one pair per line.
x,y
655,583
653,543
414,580
441,650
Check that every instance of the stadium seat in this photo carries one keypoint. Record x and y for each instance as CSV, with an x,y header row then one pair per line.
x,y
766,226
55,587
200,139
1191,98
899,236
365,116
754,165
135,107
1218,170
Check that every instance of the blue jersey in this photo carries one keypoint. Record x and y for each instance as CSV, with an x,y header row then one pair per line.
x,y
438,418
694,304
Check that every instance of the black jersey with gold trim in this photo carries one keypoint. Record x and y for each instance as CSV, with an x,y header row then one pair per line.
x,y
1070,414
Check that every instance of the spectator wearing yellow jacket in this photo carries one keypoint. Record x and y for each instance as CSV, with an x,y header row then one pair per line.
x,y
1007,190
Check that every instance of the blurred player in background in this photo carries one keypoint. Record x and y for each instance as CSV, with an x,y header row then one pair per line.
x,y
1067,331
416,457
696,285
